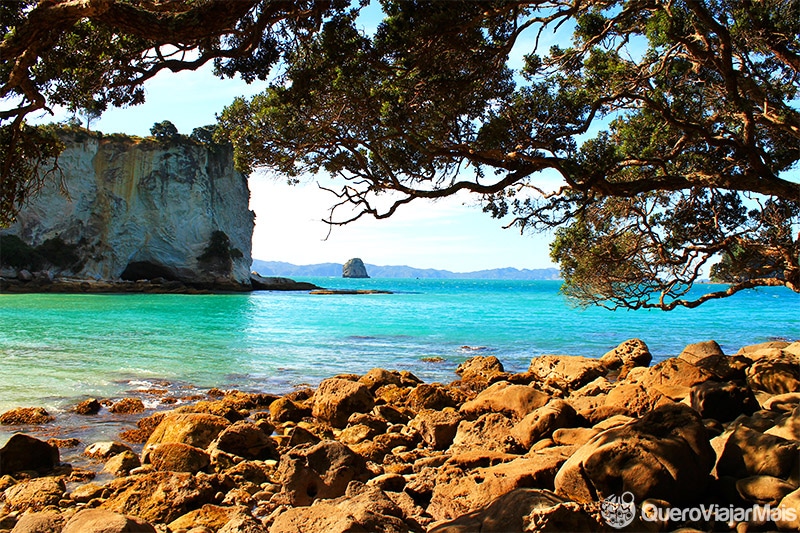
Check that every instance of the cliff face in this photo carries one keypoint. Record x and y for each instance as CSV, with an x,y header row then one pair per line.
x,y
141,209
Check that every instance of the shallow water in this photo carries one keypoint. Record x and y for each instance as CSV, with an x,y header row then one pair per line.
x,y
59,349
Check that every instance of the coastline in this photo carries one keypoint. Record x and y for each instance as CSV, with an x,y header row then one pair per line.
x,y
385,452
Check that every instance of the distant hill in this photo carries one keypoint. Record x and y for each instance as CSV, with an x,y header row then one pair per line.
x,y
280,268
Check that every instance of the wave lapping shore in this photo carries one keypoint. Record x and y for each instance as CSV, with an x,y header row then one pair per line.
x,y
704,441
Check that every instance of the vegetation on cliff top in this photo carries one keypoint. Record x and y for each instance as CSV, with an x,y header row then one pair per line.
x,y
672,127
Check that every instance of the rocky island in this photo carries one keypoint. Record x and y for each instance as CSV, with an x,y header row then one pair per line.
x,y
354,268
572,444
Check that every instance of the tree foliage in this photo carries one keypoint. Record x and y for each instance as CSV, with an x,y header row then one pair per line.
x,y
672,127
164,130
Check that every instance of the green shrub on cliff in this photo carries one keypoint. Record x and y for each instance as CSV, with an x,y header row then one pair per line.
x,y
16,253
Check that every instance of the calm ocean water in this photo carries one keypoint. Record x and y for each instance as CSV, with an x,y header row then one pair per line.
x,y
58,349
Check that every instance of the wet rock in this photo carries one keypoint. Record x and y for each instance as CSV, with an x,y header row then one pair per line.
x,y
363,508
194,429
323,470
122,464
524,509
430,396
337,399
285,410
41,522
145,495
491,431
775,375
64,443
541,422
723,401
34,494
127,406
437,428
745,452
502,397
566,372
247,440
178,457
25,416
631,353
102,521
23,452
104,450
764,490
665,455
88,407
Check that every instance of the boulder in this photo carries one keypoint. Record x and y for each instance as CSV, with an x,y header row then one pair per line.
x,y
541,422
88,407
158,497
491,431
322,470
25,416
664,455
502,397
103,521
523,510
631,353
41,522
673,378
437,428
178,457
480,368
104,450
336,399
211,516
362,509
787,426
775,375
698,351
285,410
247,440
744,452
574,436
789,512
127,406
122,464
194,429
23,452
726,367
354,268
723,401
34,494
378,377
430,396
764,490
566,372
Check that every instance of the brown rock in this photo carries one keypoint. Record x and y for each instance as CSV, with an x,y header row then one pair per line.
x,y
541,422
782,402
523,510
211,516
574,436
41,522
764,490
104,450
362,509
102,521
178,457
633,352
665,455
430,396
34,494
787,426
357,434
337,399
242,524
285,410
502,397
674,378
437,428
25,416
378,377
491,431
64,443
480,368
247,440
775,375
722,401
158,496
23,452
745,452
698,351
122,464
756,348
88,407
457,491
726,368
194,429
789,516
128,406
566,372
323,470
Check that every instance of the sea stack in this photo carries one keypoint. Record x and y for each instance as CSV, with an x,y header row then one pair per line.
x,y
354,268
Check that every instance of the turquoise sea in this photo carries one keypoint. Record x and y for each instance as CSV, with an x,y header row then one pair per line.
x,y
59,349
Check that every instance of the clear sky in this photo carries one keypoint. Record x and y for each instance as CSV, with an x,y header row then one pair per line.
x,y
452,234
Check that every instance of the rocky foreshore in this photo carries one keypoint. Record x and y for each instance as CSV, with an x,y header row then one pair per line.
x,y
702,441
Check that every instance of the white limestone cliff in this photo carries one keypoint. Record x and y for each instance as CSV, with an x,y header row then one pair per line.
x,y
155,204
